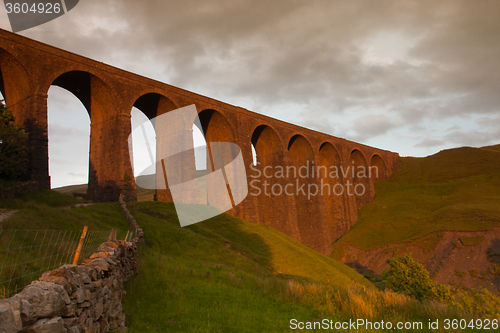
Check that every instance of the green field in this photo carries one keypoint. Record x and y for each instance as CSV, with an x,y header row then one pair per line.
x,y
142,193
230,275
456,189
223,274
43,233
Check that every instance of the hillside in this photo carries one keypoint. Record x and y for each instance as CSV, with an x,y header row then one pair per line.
x,y
224,274
444,208
143,194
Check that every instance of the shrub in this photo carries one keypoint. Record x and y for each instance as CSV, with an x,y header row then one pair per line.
x,y
13,147
410,277
479,302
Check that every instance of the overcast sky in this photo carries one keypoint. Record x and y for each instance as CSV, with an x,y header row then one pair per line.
x,y
413,77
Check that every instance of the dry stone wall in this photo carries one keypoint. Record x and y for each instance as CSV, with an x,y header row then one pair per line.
x,y
20,189
77,298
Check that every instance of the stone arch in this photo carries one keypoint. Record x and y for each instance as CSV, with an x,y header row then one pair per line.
x,y
274,210
110,171
216,128
16,86
332,184
91,90
152,105
362,186
378,169
310,220
266,141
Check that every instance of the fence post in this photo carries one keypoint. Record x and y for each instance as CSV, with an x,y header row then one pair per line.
x,y
111,234
80,245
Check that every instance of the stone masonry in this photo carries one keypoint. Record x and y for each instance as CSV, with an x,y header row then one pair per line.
x,y
77,299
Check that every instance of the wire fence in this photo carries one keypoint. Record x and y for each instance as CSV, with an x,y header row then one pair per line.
x,y
26,254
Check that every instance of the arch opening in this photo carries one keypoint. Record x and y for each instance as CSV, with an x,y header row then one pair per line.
x,y
143,147
216,128
200,152
200,158
2,88
109,172
69,122
254,155
68,132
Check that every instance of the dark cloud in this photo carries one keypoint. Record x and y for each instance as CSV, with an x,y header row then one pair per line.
x,y
353,68
303,52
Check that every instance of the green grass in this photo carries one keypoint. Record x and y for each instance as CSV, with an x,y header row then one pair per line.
x,y
143,194
456,189
230,275
225,274
42,197
471,241
221,275
44,233
50,210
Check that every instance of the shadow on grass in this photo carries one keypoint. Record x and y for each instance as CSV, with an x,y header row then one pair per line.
x,y
223,229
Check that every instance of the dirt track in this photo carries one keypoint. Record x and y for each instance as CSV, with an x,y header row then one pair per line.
x,y
5,214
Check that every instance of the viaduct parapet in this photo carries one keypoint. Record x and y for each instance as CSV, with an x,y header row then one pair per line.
x,y
28,68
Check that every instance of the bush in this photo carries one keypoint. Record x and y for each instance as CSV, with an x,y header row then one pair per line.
x,y
13,147
480,302
410,277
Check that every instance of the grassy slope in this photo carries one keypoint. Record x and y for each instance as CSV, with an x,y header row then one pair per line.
x,y
220,275
50,210
142,193
456,189
223,274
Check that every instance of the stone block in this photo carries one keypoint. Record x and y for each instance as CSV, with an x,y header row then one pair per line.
x,y
52,325
7,322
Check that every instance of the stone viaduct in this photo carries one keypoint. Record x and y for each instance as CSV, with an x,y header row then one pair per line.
x,y
28,68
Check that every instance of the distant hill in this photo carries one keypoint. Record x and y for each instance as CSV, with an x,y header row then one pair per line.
x,y
429,207
143,194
